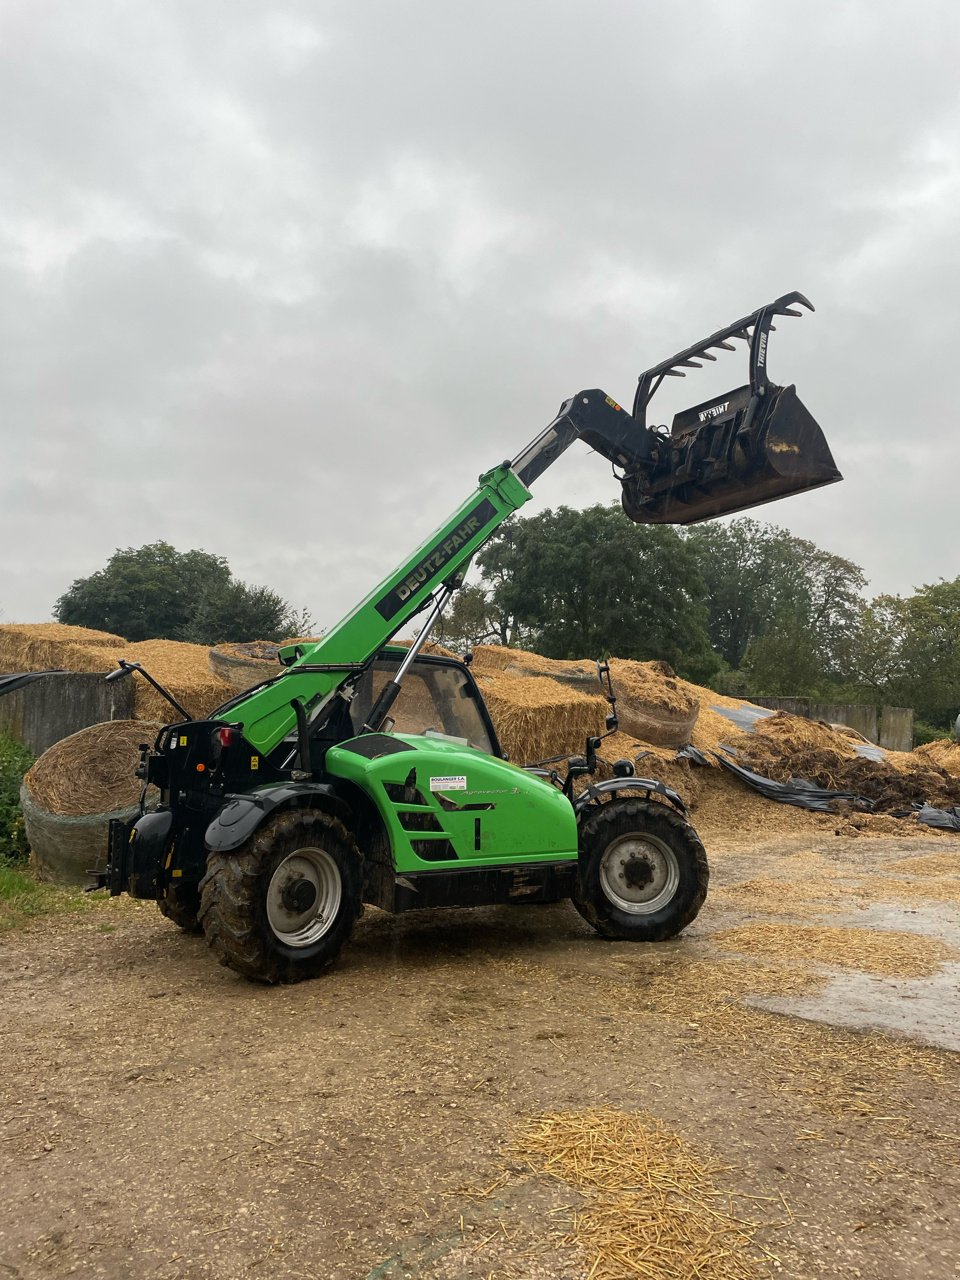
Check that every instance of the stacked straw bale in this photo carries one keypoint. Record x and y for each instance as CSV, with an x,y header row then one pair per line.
x,y
182,668
43,646
653,706
537,717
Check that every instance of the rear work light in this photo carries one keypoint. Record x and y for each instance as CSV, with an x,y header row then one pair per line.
x,y
221,739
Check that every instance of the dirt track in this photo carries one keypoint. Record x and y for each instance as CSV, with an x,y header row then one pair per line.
x,y
163,1118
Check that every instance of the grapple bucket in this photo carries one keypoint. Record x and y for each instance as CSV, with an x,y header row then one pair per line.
x,y
753,445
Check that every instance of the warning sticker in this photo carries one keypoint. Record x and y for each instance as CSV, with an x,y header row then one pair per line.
x,y
452,782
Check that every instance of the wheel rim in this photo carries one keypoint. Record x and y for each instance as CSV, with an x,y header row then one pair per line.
x,y
303,897
639,874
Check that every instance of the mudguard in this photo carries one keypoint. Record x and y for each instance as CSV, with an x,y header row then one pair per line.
x,y
242,814
593,793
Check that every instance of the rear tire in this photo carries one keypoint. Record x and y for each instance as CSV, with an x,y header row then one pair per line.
x,y
643,871
279,908
180,903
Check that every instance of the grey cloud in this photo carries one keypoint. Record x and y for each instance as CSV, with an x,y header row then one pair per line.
x,y
279,281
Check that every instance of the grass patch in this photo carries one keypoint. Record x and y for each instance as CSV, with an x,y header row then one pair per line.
x,y
24,899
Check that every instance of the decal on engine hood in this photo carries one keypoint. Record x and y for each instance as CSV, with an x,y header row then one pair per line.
x,y
450,782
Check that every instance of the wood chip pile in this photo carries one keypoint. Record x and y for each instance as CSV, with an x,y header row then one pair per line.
x,y
91,771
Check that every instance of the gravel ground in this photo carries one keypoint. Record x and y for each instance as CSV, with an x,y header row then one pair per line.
x,y
162,1118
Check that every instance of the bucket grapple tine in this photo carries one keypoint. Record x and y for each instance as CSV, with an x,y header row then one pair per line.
x,y
752,445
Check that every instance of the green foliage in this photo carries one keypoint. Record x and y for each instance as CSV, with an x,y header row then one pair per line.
x,y
15,760
157,592
232,610
923,732
570,584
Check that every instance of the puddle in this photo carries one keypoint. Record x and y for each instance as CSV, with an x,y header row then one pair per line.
x,y
925,1009
933,921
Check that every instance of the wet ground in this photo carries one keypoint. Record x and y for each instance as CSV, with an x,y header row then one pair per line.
x,y
163,1118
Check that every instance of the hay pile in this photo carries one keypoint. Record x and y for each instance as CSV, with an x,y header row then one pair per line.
x,y
538,707
945,753
92,771
44,646
784,745
652,704
652,1205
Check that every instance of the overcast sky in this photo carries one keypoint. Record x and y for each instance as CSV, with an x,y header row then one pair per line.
x,y
280,279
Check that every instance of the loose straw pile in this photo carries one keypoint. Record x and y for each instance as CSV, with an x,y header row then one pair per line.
x,y
653,1208
882,951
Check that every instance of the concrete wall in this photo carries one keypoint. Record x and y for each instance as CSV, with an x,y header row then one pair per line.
x,y
892,727
44,711
896,728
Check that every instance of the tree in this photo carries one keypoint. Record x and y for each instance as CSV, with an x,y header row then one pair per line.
x,y
748,569
759,577
570,584
157,592
474,619
925,670
780,608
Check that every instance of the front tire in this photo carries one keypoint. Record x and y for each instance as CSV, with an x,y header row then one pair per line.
x,y
279,908
643,871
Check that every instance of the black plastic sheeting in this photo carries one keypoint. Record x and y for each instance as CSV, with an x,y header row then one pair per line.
x,y
745,717
17,681
807,795
945,819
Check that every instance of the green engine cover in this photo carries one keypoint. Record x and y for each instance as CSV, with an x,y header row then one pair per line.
x,y
449,806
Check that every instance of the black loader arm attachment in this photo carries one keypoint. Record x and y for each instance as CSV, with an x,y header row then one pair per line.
x,y
752,445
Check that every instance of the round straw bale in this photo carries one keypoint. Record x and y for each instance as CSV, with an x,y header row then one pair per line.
x,y
74,789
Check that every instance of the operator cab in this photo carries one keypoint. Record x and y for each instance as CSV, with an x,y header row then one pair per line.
x,y
438,698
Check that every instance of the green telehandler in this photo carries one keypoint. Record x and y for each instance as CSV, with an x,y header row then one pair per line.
x,y
371,773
